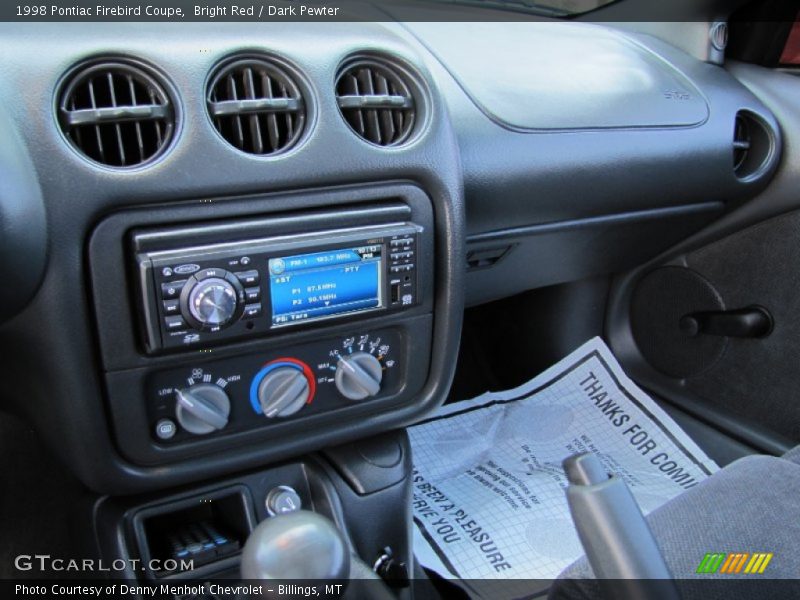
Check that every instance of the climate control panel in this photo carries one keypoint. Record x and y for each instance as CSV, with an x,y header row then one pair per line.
x,y
218,397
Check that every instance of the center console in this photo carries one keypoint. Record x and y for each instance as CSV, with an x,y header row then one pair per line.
x,y
196,536
262,346
272,327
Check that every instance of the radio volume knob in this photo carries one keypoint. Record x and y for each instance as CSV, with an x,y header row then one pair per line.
x,y
358,376
212,302
202,408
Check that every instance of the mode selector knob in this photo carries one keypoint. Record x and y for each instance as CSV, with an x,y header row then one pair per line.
x,y
202,408
283,391
358,376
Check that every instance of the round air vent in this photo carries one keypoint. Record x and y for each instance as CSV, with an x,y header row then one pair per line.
x,y
116,114
256,106
375,99
753,146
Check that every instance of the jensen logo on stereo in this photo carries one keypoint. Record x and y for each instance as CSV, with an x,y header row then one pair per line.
x,y
186,269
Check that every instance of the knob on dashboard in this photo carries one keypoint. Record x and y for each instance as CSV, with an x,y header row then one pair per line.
x,y
358,376
212,299
283,391
202,408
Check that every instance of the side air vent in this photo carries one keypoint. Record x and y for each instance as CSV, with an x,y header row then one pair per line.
x,y
741,143
753,144
116,113
256,106
375,99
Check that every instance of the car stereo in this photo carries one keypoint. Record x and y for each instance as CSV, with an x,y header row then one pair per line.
x,y
208,293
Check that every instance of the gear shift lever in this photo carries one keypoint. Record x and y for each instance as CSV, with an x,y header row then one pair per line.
x,y
306,545
298,545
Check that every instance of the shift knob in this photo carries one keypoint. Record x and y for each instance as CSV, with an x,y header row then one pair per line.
x,y
297,545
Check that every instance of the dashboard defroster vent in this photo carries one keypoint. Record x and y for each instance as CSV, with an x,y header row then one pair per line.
x,y
116,113
376,101
256,106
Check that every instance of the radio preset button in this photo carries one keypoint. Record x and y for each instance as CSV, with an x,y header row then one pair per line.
x,y
252,310
396,256
248,278
171,307
174,323
401,268
210,272
172,289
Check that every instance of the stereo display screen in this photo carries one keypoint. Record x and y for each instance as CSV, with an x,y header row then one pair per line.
x,y
321,285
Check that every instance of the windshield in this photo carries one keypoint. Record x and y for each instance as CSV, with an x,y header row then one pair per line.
x,y
559,8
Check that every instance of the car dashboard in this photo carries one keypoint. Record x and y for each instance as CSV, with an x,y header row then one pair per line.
x,y
232,244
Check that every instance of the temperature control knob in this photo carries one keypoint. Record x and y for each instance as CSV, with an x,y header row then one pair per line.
x,y
358,376
283,391
202,408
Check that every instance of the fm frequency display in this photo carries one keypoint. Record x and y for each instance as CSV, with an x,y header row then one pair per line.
x,y
325,284
207,293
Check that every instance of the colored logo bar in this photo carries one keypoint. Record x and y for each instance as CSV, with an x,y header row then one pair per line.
x,y
735,563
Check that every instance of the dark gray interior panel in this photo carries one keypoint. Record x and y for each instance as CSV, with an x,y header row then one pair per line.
x,y
547,76
748,414
756,378
23,225
545,255
517,180
719,447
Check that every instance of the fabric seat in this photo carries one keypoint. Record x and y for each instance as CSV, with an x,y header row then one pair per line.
x,y
750,506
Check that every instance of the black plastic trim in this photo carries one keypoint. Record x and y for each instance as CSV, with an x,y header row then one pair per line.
x,y
615,219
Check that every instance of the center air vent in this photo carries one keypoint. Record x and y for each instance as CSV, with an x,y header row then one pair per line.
x,y
256,106
376,101
753,146
116,114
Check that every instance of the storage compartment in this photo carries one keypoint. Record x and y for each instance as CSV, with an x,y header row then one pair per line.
x,y
200,535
